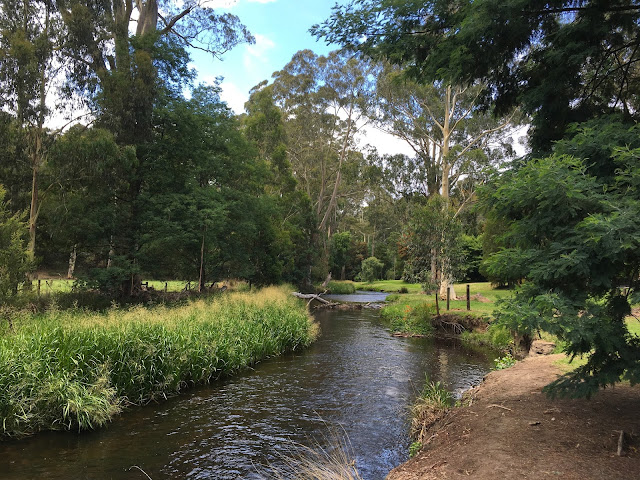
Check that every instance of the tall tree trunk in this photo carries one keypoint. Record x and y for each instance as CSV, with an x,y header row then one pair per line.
x,y
72,262
445,280
343,153
201,280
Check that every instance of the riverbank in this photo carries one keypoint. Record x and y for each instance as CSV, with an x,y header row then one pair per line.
x,y
74,370
510,429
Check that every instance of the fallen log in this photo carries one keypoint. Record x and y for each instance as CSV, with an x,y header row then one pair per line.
x,y
312,296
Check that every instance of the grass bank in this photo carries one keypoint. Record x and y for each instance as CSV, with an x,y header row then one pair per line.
x,y
394,286
75,370
416,314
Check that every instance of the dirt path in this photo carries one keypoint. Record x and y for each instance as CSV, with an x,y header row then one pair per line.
x,y
512,430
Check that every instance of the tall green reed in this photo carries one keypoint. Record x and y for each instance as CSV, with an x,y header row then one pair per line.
x,y
75,370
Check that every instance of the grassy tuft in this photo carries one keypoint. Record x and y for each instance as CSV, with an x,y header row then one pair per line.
x,y
413,318
432,403
341,288
331,462
76,369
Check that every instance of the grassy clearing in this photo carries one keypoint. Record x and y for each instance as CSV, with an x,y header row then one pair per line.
x,y
412,313
75,369
410,316
389,286
61,285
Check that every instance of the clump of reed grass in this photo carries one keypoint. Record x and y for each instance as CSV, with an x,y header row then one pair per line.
x,y
412,318
341,287
76,369
331,462
433,402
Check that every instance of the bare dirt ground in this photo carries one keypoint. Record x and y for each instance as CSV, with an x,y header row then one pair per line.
x,y
512,430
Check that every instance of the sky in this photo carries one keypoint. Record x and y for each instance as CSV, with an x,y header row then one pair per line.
x,y
281,28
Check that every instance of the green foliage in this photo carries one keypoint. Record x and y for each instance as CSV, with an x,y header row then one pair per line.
x,y
412,318
432,403
346,255
495,336
471,249
504,362
435,394
14,260
371,269
561,61
432,238
341,288
414,449
573,233
76,370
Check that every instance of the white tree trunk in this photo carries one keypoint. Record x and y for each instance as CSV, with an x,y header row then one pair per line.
x,y
72,263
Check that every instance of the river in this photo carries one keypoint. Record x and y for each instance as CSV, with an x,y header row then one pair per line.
x,y
356,380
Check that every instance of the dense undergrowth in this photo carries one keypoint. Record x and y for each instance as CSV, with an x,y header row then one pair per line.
x,y
76,369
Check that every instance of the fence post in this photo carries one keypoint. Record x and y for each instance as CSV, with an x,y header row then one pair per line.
x,y
468,298
448,295
165,287
437,305
39,286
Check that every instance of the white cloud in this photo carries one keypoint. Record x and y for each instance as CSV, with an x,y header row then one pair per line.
x,y
234,97
385,143
231,3
220,3
258,52
230,93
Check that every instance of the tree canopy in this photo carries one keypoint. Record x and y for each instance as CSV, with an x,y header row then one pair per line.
x,y
562,61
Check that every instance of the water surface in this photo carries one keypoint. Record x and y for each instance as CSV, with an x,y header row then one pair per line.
x,y
356,377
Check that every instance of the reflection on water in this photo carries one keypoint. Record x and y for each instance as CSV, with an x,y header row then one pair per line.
x,y
356,376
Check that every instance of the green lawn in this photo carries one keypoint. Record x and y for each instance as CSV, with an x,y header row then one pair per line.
x,y
63,285
415,295
388,286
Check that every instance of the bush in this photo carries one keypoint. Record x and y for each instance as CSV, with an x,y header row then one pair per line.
x,y
504,362
341,288
372,269
495,336
14,261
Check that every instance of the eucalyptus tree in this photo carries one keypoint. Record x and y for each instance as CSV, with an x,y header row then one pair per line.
x,y
324,102
561,61
290,212
124,57
454,143
122,69
30,40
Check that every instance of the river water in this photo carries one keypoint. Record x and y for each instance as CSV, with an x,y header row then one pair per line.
x,y
356,380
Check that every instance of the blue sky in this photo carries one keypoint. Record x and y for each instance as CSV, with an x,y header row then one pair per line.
x,y
281,28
